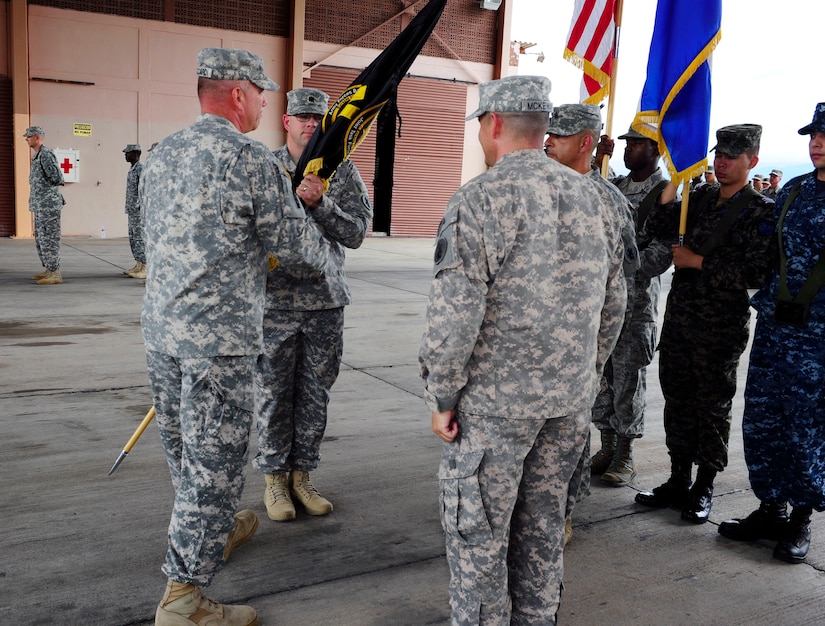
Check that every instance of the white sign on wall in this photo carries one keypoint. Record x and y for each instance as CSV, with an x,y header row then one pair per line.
x,y
68,160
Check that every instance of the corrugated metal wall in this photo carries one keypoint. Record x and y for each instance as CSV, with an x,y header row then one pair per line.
x,y
429,152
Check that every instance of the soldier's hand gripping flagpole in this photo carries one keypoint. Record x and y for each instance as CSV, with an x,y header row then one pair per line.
x,y
133,439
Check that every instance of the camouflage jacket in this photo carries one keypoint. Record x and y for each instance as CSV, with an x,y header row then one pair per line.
x,y
770,192
621,205
741,261
654,246
45,179
344,215
214,204
528,295
803,239
132,181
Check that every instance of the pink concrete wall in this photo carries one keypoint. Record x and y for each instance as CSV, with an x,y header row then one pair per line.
x,y
143,75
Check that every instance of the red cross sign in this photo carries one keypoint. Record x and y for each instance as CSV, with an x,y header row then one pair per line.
x,y
68,160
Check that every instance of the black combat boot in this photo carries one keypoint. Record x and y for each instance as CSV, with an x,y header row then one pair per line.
x,y
672,493
767,522
796,539
697,507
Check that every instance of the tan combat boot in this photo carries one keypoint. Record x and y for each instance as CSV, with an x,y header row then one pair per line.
x,y
622,470
600,461
278,503
246,523
51,278
183,604
139,271
40,275
303,491
131,269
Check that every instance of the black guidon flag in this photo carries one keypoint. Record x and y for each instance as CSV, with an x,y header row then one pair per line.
x,y
349,119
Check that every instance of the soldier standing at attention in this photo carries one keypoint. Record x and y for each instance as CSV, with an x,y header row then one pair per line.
x,y
773,187
527,301
215,204
619,410
727,250
783,426
304,326
132,154
46,202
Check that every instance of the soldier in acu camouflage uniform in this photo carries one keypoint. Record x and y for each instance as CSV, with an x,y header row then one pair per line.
x,y
132,155
619,410
527,300
215,202
726,252
46,202
304,326
784,421
571,138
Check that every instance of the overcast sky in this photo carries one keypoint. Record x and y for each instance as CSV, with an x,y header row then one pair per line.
x,y
764,70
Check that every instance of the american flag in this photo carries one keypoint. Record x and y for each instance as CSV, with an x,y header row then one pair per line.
x,y
590,45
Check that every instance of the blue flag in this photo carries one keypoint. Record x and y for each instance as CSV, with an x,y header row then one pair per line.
x,y
675,103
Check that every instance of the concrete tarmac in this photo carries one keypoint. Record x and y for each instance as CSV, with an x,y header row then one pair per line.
x,y
80,547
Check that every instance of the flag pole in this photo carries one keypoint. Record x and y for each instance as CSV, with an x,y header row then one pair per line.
x,y
611,95
683,215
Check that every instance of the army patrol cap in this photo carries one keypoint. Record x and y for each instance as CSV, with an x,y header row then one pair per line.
x,y
132,147
514,94
776,173
305,100
569,119
633,134
31,131
736,139
818,123
234,64
710,169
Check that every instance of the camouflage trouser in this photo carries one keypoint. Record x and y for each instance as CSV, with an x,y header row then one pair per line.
x,y
204,413
47,237
697,371
620,405
504,492
136,236
579,487
784,422
293,378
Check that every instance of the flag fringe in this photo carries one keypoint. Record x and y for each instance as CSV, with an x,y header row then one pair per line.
x,y
593,72
647,122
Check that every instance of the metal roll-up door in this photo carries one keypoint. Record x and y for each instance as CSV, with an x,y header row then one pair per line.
x,y
7,222
429,153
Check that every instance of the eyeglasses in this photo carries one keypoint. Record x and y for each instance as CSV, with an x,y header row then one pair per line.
x,y
306,117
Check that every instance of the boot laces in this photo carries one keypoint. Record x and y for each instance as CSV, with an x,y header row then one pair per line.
x,y
278,490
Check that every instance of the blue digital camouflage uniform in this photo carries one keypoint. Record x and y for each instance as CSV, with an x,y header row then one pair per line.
x,y
784,421
620,406
215,203
526,303
705,327
303,332
133,212
46,202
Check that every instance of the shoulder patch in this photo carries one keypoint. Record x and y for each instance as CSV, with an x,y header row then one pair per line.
x,y
766,228
445,255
